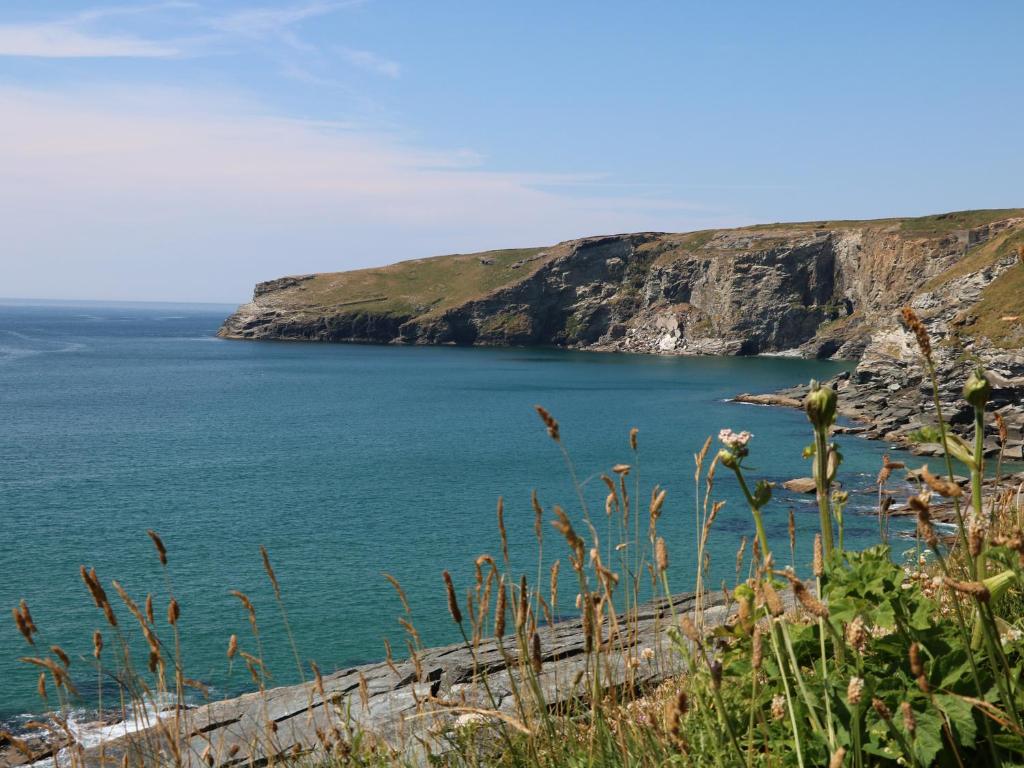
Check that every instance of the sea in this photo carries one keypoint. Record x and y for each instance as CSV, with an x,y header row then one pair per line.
x,y
346,462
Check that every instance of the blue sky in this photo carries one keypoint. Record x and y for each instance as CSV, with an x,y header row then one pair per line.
x,y
186,149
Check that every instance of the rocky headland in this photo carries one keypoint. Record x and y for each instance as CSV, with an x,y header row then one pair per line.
x,y
828,289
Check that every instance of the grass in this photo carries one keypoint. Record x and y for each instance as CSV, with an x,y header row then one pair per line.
x,y
417,287
944,223
979,257
1002,300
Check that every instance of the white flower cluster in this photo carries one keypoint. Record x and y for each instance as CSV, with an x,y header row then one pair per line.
x,y
734,440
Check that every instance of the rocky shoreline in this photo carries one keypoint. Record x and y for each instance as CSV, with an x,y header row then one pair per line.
x,y
413,706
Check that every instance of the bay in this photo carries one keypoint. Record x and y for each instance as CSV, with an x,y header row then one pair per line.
x,y
345,462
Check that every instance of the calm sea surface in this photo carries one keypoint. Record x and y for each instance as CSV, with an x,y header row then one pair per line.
x,y
346,462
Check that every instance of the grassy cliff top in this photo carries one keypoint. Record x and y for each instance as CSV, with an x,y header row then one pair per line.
x,y
418,286
423,287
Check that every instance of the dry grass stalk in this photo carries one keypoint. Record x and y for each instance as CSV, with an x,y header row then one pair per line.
x,y
270,571
792,533
22,625
401,592
501,529
549,422
914,324
161,550
772,599
500,609
173,612
973,588
942,487
538,517
453,603
661,554
59,653
536,659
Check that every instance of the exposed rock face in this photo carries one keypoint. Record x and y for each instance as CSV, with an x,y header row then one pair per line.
x,y
789,288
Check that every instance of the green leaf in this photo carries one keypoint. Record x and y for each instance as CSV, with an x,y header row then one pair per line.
x,y
961,717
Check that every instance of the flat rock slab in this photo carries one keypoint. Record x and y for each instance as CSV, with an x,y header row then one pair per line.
x,y
413,712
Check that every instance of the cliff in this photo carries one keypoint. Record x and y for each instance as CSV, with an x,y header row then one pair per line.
x,y
817,289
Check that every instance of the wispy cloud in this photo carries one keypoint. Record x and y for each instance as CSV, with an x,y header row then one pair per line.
x,y
259,23
110,31
205,193
68,40
371,62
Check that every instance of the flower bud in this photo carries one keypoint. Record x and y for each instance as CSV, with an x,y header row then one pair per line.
x,y
820,405
977,389
728,459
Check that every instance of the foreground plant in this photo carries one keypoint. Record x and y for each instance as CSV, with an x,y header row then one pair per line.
x,y
851,659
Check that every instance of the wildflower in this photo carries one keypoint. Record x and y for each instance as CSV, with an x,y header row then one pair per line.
x,y
856,634
855,690
647,654
778,706
736,442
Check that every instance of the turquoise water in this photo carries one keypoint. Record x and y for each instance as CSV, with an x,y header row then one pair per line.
x,y
345,461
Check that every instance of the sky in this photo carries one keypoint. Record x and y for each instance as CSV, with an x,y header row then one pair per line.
x,y
186,149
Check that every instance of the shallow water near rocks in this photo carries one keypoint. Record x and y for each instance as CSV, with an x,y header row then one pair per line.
x,y
346,462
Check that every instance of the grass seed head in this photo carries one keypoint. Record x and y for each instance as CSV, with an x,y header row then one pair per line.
x,y
909,721
855,690
975,589
772,599
500,609
536,658
270,571
549,422
161,550
915,326
60,654
940,485
453,603
857,634
22,625
882,709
